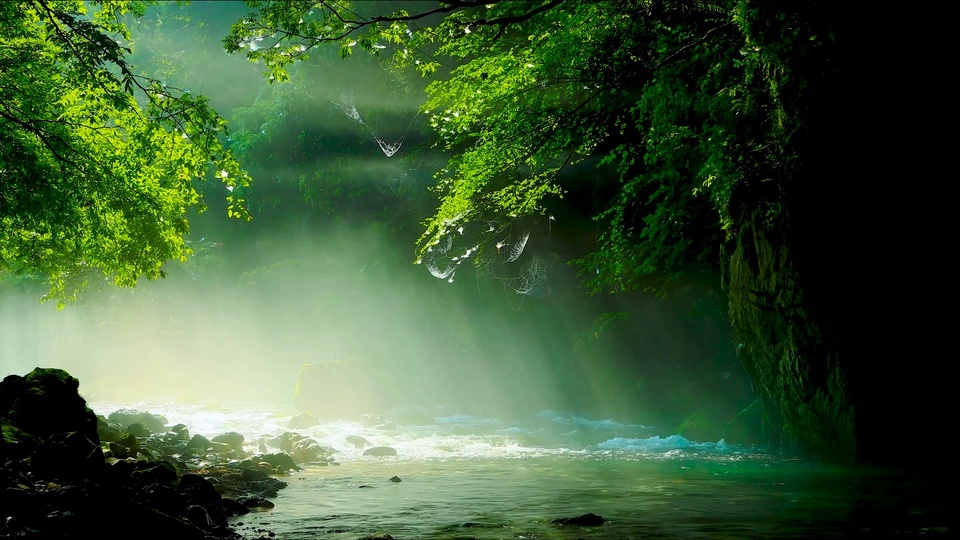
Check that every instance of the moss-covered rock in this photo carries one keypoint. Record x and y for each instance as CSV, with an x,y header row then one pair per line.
x,y
46,402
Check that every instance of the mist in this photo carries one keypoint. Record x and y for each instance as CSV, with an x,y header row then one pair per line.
x,y
321,276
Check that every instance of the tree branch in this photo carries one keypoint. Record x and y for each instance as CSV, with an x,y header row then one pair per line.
x,y
42,135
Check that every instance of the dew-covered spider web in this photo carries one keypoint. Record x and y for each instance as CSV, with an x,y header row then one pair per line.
x,y
533,279
388,149
500,250
347,105
442,259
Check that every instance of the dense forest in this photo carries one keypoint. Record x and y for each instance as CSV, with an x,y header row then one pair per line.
x,y
701,163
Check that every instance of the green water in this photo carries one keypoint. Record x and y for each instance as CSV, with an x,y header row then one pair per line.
x,y
680,495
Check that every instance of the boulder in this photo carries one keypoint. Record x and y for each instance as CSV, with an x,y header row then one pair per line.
x,y
302,421
232,439
275,461
303,449
44,402
380,451
358,441
199,443
138,430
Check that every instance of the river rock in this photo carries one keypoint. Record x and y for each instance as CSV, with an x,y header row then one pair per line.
x,y
304,449
380,451
302,421
278,460
585,520
232,439
44,402
358,441
154,423
199,443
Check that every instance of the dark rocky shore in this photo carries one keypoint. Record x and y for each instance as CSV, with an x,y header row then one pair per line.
x,y
69,473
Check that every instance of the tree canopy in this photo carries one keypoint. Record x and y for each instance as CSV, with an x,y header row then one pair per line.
x,y
98,163
677,106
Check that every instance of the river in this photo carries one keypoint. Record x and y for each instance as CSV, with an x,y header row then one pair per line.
x,y
463,477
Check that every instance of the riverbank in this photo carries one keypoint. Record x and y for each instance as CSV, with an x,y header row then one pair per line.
x,y
68,473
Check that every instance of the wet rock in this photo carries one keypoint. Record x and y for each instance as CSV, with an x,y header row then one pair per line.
x,y
137,430
278,460
117,450
221,448
234,508
124,418
107,432
131,443
380,451
585,520
202,492
232,439
199,443
304,449
302,421
358,441
394,479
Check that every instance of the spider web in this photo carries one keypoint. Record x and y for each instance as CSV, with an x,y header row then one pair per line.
x,y
532,281
438,261
347,106
517,248
388,149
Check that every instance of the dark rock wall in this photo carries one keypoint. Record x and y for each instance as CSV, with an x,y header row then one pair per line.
x,y
791,357
840,294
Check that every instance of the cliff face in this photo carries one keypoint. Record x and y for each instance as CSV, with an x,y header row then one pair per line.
x,y
790,353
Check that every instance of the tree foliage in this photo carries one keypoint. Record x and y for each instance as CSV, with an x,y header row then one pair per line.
x,y
681,105
98,164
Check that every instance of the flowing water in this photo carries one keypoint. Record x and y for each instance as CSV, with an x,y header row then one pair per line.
x,y
464,477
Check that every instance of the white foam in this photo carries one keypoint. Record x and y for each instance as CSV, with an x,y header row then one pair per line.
x,y
453,436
